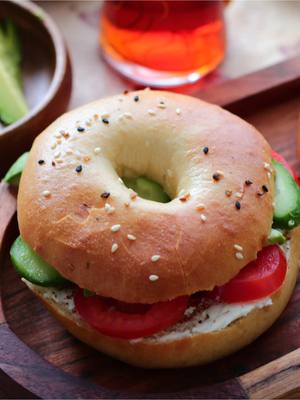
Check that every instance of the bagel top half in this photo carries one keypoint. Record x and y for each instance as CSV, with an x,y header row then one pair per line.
x,y
76,213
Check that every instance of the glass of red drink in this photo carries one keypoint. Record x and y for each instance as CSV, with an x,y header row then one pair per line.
x,y
163,43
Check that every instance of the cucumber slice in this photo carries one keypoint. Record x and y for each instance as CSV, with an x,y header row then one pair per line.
x,y
276,236
32,267
14,173
147,189
287,199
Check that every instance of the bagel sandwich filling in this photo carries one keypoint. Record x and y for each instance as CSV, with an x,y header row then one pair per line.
x,y
146,224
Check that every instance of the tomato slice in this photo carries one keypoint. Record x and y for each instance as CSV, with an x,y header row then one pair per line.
x,y
260,278
128,321
278,157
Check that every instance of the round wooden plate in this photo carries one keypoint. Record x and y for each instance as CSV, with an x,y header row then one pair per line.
x,y
38,358
46,76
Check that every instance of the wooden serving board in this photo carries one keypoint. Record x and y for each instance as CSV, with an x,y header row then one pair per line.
x,y
38,358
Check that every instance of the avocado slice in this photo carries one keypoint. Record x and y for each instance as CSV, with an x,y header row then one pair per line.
x,y
32,267
287,199
147,189
14,173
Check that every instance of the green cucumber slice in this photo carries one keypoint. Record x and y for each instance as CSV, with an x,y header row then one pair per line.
x,y
287,199
147,189
14,173
276,236
32,267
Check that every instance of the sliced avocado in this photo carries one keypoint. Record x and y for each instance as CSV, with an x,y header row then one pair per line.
x,y
276,236
147,189
32,267
287,199
14,173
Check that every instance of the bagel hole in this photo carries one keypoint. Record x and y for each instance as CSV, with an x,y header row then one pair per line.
x,y
147,188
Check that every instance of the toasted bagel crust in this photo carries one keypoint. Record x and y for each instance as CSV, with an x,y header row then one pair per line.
x,y
62,215
187,351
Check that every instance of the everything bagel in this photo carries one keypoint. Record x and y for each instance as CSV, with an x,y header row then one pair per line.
x,y
157,228
82,216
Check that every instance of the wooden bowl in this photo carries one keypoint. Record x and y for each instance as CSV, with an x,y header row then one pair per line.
x,y
46,76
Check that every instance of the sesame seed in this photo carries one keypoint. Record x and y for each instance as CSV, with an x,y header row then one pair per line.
x,y
105,121
131,237
238,247
248,182
86,158
151,112
126,204
97,150
108,208
114,247
58,141
200,207
185,197
53,146
69,151
178,111
96,117
217,176
155,258
115,228
88,123
41,162
66,135
136,98
57,135
239,255
133,194
238,195
153,278
78,169
80,129
237,205
59,161
127,115
267,167
56,154
46,193
228,193
203,217
105,195
269,174
205,150
161,105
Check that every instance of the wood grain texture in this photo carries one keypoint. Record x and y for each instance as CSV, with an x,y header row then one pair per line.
x,y
284,373
43,350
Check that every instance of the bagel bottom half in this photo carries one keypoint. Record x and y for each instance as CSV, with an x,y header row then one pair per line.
x,y
195,349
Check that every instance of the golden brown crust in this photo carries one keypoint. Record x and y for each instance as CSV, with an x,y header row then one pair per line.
x,y
72,230
193,350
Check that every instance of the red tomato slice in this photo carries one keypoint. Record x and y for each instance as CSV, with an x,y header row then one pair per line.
x,y
128,321
260,278
278,157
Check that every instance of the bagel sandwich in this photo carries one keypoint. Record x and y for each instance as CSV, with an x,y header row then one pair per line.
x,y
157,228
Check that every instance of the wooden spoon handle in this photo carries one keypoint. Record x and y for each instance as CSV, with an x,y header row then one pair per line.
x,y
277,379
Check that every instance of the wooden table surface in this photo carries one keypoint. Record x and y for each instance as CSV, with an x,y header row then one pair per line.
x,y
259,34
